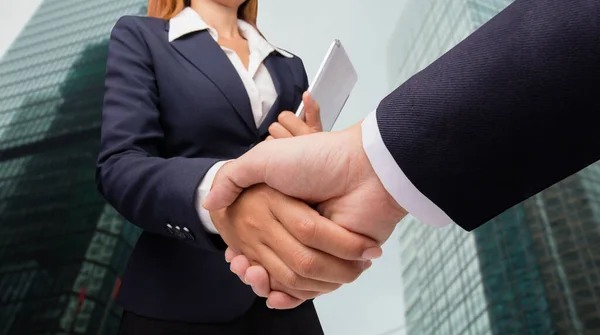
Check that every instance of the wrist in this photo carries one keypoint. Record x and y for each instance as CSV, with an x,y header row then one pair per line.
x,y
217,217
358,161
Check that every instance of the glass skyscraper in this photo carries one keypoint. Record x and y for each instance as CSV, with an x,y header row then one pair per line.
x,y
62,248
443,285
540,260
425,31
535,269
481,11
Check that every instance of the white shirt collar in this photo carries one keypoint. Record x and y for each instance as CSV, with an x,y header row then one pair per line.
x,y
188,21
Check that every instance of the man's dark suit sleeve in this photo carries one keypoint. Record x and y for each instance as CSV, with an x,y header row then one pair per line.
x,y
511,110
152,192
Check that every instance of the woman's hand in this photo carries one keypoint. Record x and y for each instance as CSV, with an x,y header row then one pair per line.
x,y
289,125
289,239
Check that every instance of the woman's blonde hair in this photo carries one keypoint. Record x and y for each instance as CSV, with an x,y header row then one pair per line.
x,y
166,9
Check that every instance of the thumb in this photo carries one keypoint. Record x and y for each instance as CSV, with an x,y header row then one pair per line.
x,y
313,112
232,178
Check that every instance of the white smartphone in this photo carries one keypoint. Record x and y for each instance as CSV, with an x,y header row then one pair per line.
x,y
332,85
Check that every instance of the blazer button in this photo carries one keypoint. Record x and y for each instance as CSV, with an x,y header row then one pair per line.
x,y
178,233
188,234
170,229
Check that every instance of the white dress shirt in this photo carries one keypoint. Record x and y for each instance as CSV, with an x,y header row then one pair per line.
x,y
256,79
395,181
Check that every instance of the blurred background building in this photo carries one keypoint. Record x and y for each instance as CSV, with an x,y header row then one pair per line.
x,y
61,247
535,269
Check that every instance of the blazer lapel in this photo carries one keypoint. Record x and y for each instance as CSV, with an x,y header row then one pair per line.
x,y
206,55
288,93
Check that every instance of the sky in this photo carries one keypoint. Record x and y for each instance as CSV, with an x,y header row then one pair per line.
x,y
373,304
13,17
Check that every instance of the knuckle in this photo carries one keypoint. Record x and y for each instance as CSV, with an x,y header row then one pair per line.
x,y
273,127
281,117
307,229
284,116
251,224
306,264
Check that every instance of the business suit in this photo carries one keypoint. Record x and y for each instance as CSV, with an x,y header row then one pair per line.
x,y
478,130
171,111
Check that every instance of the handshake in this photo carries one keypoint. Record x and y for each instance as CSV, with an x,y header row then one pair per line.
x,y
302,214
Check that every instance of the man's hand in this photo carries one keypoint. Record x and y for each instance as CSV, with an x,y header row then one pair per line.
x,y
329,169
304,253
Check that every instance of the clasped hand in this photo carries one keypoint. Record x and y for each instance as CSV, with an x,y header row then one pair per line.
x,y
287,250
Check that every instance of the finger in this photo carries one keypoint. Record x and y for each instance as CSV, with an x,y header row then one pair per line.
x,y
239,265
280,300
258,278
278,130
320,233
262,284
280,272
269,138
312,112
305,262
230,254
298,294
293,124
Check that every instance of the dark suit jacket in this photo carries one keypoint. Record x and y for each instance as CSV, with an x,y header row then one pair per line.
x,y
508,112
172,110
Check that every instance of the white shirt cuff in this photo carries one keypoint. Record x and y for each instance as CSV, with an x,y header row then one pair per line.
x,y
395,181
202,192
